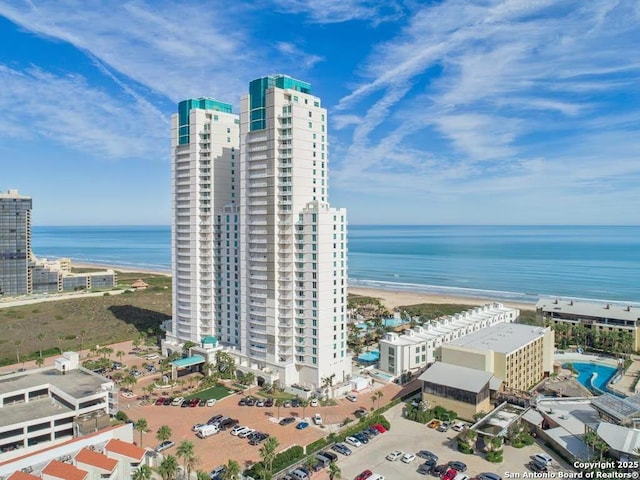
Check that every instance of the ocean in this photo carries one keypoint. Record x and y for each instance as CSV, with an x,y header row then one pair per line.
x,y
517,263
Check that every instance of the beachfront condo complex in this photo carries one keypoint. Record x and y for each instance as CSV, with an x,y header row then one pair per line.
x,y
15,243
259,255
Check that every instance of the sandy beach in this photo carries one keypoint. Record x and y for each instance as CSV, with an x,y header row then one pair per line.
x,y
119,268
392,299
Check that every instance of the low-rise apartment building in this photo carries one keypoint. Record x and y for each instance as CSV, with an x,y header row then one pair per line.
x,y
51,404
520,355
599,317
420,346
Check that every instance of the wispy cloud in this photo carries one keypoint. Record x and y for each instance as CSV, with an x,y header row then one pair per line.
x,y
307,60
492,80
338,11
69,112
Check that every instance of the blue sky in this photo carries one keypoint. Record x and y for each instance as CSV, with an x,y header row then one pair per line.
x,y
443,112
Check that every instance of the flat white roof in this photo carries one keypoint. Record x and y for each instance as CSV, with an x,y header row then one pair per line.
x,y
590,309
462,378
502,337
77,383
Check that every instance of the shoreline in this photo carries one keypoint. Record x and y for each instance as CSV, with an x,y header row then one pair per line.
x,y
394,298
390,298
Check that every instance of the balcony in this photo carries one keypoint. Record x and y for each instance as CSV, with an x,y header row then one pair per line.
x,y
253,176
257,166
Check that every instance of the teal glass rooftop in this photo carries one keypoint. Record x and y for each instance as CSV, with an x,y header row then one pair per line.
x,y
202,103
257,93
188,361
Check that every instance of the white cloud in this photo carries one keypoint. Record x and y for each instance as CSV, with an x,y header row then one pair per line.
x,y
338,11
67,111
297,55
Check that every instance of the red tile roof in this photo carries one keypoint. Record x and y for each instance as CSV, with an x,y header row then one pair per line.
x,y
93,458
64,471
127,449
22,476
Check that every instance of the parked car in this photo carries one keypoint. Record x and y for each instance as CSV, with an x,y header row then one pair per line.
x,y
427,466
361,437
444,427
361,412
408,457
379,427
168,401
246,433
373,431
164,445
160,401
542,459
342,449
317,419
439,470
352,398
194,402
364,475
207,431
238,429
211,402
258,439
456,465
197,427
450,474
260,403
536,467
458,427
185,403
426,454
228,423
287,404
395,455
218,472
213,419
268,402
489,476
302,425
295,403
176,402
353,441
202,402
330,455
242,402
287,421
250,401
314,403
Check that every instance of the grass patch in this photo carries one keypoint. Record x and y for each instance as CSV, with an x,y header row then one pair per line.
x,y
218,393
276,395
81,323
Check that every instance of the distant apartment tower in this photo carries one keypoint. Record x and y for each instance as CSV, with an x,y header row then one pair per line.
x,y
15,243
204,250
259,256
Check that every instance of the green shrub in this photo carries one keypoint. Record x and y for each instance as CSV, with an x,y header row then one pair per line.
x,y
495,456
280,462
463,447
317,445
121,416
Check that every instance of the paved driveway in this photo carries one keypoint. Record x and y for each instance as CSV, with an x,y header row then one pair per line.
x,y
408,436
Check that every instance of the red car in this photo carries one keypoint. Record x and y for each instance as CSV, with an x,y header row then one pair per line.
x,y
379,427
450,474
160,401
194,402
364,475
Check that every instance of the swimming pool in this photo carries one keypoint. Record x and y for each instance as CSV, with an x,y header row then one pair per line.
x,y
372,356
586,370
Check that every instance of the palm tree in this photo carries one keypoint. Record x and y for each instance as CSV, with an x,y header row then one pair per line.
x,y
378,396
200,475
185,451
249,379
163,433
141,426
334,471
232,471
373,401
168,468
304,404
143,472
268,453
41,337
279,403
17,344
39,362
120,355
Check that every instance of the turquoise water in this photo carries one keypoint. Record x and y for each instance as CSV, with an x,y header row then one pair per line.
x,y
585,371
511,263
372,356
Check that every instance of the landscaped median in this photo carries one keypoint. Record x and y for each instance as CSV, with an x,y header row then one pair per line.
x,y
217,392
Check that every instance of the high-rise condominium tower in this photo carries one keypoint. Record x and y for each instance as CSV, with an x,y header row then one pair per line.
x,y
205,158
260,258
15,243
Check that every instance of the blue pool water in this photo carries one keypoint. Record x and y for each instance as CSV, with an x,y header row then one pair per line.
x,y
585,371
372,356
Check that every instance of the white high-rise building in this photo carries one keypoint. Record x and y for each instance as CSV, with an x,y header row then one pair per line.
x,y
260,258
205,156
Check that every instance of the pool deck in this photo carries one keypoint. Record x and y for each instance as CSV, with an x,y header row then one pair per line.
x,y
622,386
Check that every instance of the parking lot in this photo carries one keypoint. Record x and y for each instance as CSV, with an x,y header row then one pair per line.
x,y
408,436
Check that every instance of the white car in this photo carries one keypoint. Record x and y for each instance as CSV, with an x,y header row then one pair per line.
x,y
314,403
238,429
458,427
353,441
393,456
408,457
352,398
543,459
317,419
211,402
198,426
247,431
177,401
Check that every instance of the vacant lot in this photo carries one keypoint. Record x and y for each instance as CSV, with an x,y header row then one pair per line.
x,y
84,322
